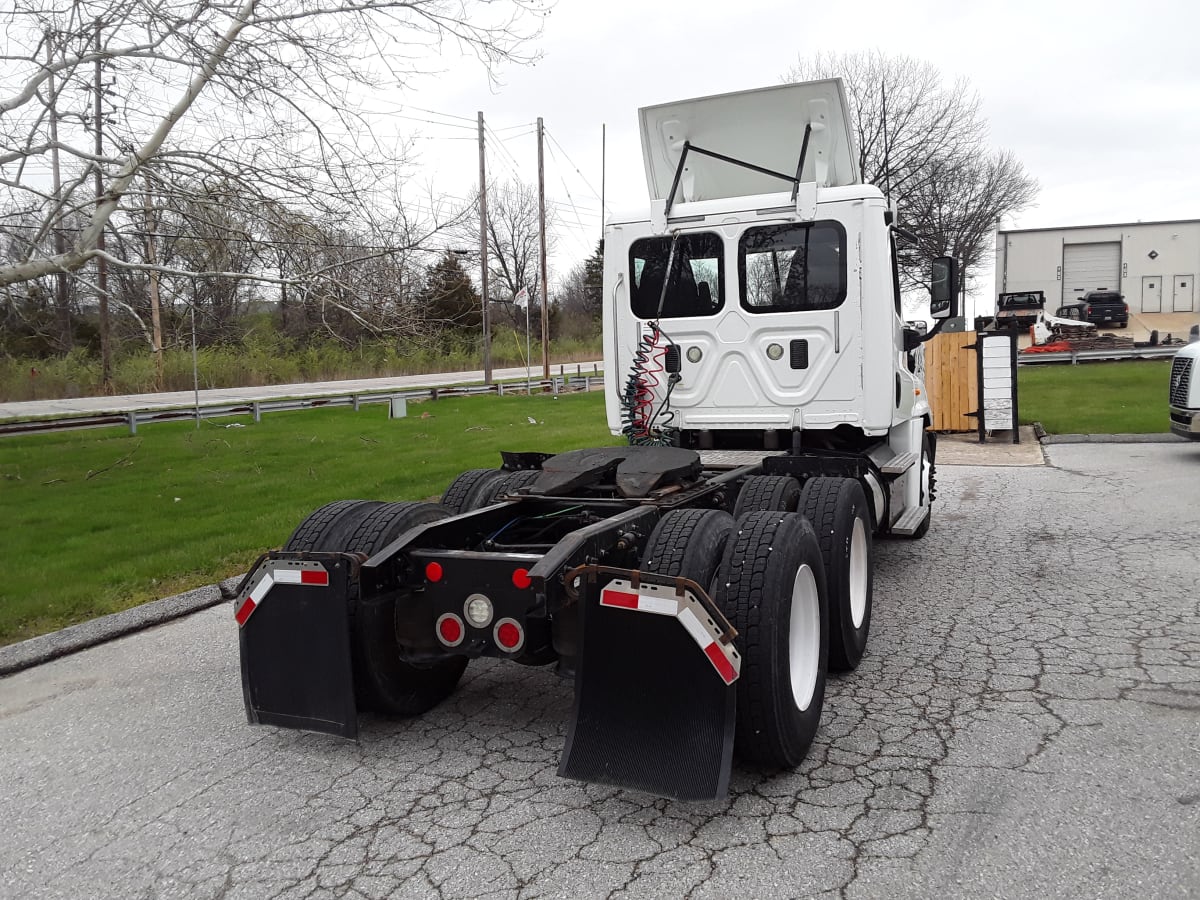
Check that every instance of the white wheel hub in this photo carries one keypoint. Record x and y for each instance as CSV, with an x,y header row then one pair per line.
x,y
926,469
858,573
804,637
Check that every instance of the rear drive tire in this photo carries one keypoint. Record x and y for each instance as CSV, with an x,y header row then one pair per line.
x,y
771,586
459,492
507,483
767,492
382,680
837,510
688,543
313,532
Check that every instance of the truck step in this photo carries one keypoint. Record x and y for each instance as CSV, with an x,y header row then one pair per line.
x,y
736,458
909,522
899,464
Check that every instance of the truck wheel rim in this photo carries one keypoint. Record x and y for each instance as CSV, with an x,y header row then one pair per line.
x,y
858,574
804,639
926,468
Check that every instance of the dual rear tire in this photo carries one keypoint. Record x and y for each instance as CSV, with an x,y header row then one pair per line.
x,y
766,573
771,586
383,680
838,511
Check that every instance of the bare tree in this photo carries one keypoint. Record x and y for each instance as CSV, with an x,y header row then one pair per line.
x,y
513,232
925,142
956,209
926,119
266,95
580,296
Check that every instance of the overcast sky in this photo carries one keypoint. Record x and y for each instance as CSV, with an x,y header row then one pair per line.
x,y
1100,101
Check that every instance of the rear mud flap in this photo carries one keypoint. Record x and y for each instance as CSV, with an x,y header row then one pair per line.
x,y
653,711
294,629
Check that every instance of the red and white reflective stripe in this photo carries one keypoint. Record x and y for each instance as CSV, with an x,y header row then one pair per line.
x,y
302,576
663,606
663,601
271,574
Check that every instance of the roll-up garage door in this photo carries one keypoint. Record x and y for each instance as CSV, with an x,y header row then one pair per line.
x,y
1090,267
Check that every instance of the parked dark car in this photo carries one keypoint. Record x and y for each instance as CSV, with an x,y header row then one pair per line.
x,y
1099,308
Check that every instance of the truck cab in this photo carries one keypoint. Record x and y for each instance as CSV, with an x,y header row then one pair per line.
x,y
755,305
1184,392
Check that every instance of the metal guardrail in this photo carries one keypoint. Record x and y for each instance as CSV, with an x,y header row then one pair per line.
x,y
255,408
1076,356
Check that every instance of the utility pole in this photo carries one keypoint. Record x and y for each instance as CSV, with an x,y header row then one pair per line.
x,y
483,257
603,175
155,316
101,268
60,281
542,233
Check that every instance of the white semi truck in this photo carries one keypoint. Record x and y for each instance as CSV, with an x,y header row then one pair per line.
x,y
1184,392
697,583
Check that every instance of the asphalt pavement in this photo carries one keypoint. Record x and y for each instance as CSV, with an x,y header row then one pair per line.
x,y
1026,723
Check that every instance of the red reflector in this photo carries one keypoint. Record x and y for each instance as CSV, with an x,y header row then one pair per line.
x,y
244,611
618,598
450,628
722,665
521,578
508,635
433,571
314,576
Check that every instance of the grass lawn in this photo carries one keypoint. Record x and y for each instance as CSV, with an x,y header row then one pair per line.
x,y
98,520
1128,397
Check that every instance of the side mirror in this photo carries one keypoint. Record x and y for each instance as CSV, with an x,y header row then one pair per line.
x,y
943,288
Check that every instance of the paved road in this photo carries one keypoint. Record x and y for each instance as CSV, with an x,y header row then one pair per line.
x,y
1026,724
223,396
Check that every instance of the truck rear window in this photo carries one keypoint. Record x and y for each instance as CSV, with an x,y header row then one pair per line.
x,y
793,268
697,277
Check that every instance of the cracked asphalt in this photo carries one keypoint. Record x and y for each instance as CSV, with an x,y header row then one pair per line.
x,y
1026,723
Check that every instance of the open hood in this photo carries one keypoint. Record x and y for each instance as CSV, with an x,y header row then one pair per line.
x,y
764,127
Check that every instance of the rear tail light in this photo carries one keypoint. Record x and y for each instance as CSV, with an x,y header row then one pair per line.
x,y
1089,311
450,630
509,635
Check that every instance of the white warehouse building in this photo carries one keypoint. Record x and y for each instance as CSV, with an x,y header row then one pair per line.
x,y
1154,264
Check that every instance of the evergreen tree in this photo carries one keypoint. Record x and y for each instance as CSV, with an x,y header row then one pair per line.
x,y
449,297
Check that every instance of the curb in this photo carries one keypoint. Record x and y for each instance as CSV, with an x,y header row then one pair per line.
x,y
1113,439
45,647
1044,437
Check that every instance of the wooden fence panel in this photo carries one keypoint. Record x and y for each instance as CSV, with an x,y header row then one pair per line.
x,y
952,380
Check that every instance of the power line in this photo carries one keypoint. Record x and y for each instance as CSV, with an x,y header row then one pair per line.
x,y
500,144
568,190
434,112
431,121
577,171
